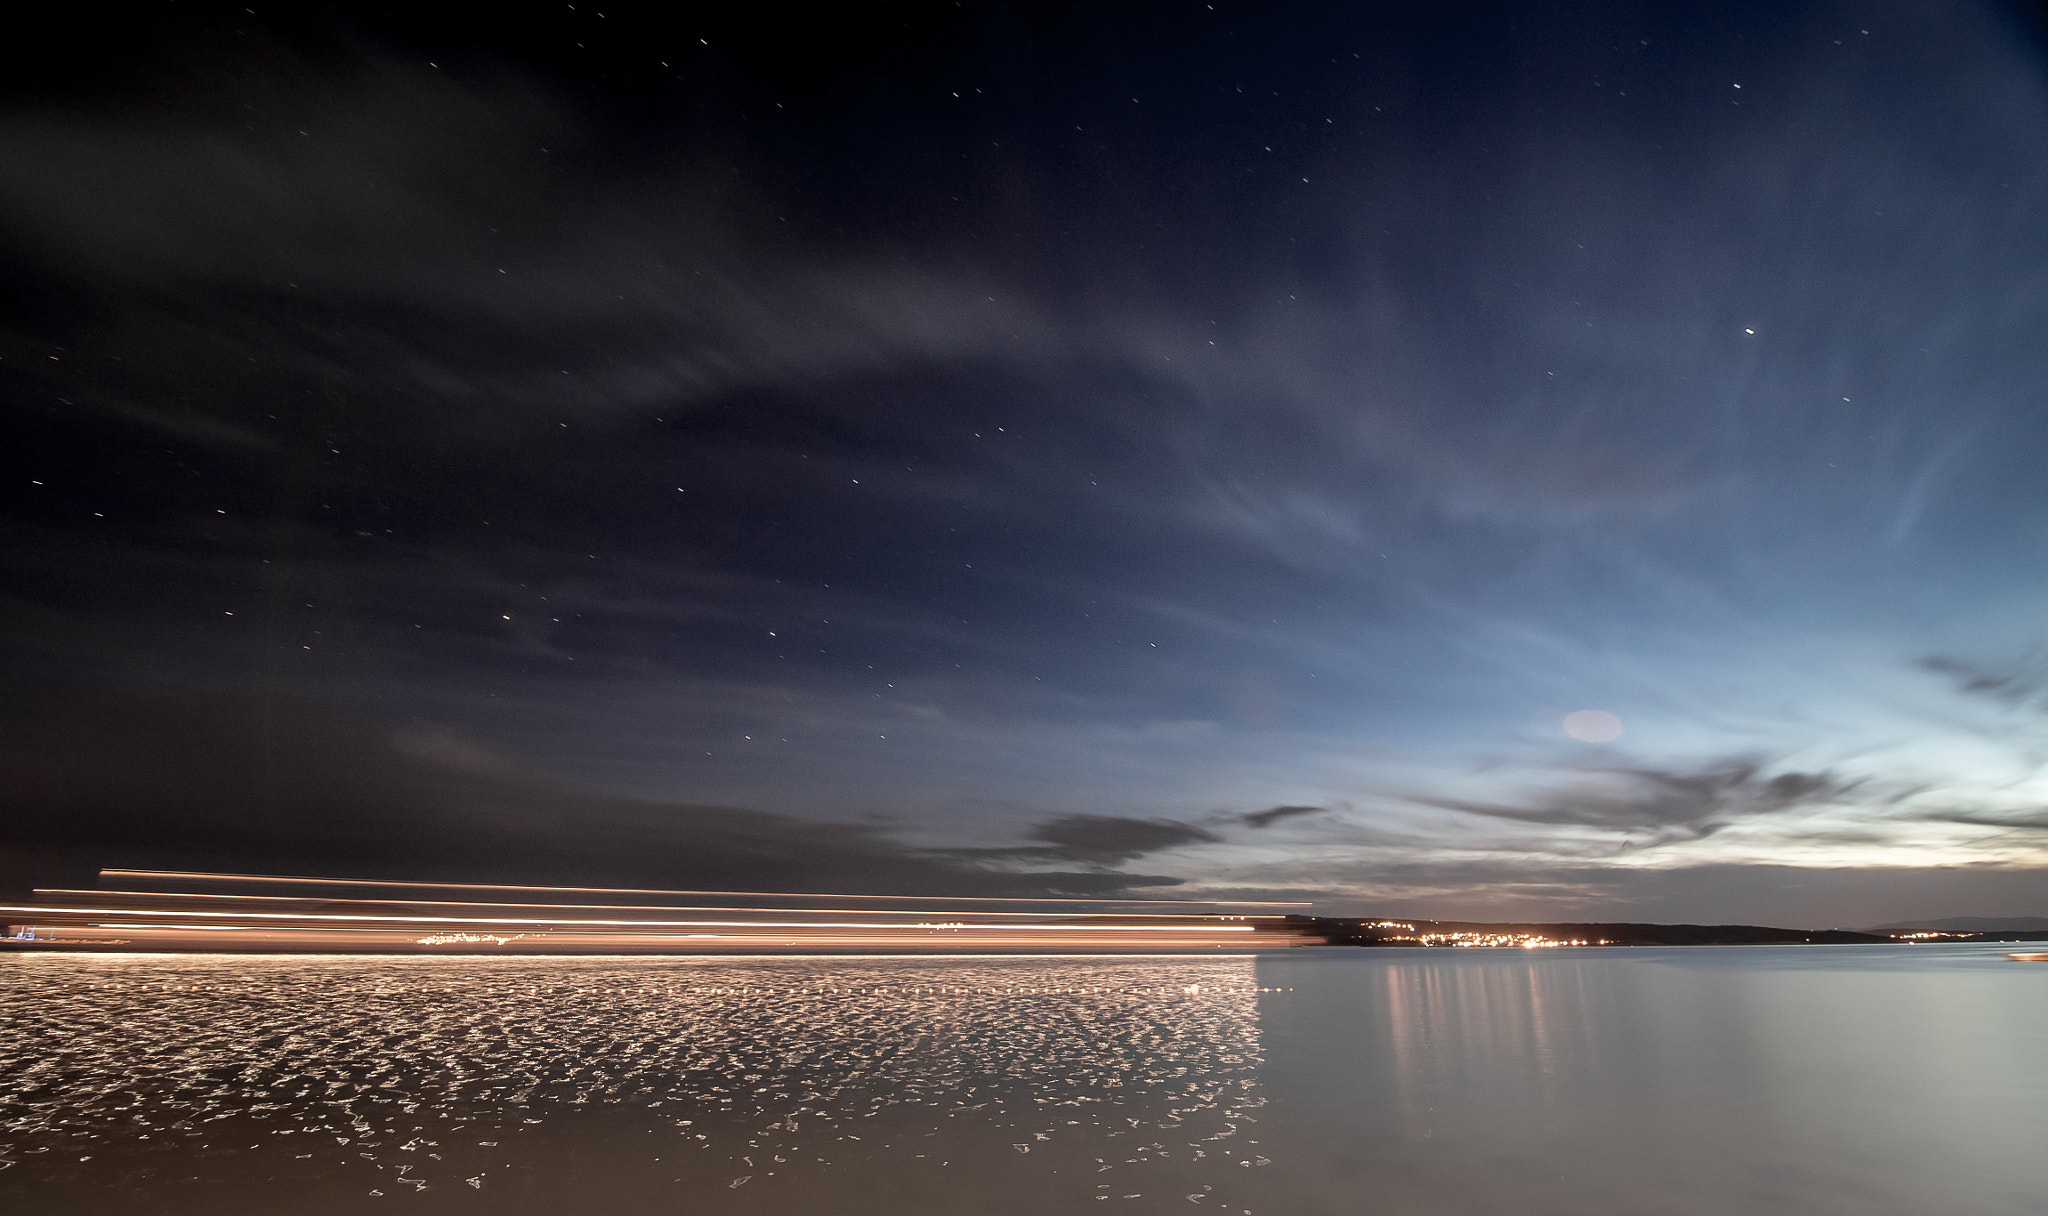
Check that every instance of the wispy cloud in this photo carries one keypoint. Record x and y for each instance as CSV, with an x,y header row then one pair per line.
x,y
1666,804
2020,684
1267,818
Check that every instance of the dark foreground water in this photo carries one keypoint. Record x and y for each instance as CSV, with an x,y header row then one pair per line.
x,y
1864,1080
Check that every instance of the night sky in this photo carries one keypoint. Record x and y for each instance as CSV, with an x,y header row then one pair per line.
x,y
1182,450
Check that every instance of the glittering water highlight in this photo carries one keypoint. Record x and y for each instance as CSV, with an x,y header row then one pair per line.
x,y
300,1084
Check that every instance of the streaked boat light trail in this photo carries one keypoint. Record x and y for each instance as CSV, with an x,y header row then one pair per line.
x,y
249,912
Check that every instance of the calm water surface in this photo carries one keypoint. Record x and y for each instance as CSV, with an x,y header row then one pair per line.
x,y
1864,1080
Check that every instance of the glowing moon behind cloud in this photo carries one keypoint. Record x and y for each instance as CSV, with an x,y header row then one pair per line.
x,y
1592,726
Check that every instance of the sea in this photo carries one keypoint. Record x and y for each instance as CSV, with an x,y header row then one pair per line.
x,y
1704,1081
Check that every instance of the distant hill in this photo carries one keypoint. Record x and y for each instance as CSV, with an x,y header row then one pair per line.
x,y
1364,931
1351,931
1969,924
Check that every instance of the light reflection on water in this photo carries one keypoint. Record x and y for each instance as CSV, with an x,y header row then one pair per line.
x,y
1872,1081
219,1083
1702,1081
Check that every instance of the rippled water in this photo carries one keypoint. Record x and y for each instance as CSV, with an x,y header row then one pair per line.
x,y
1811,1080
322,1084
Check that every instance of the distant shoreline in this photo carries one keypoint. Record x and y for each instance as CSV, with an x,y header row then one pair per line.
x,y
1361,931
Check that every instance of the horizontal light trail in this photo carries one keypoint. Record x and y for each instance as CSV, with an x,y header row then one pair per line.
x,y
485,886
323,915
447,903
663,924
124,927
615,939
107,924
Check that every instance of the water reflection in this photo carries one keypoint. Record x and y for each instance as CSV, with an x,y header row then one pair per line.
x,y
1451,1022
1862,1081
233,1083
1858,1080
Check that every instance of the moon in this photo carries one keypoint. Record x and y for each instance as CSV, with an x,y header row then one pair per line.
x,y
1592,726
